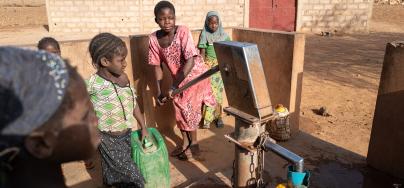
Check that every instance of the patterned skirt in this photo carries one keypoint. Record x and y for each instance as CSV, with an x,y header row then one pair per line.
x,y
118,168
212,113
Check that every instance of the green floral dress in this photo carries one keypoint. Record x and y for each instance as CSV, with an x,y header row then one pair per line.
x,y
211,114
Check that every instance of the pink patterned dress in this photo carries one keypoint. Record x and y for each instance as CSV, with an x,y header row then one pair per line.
x,y
188,105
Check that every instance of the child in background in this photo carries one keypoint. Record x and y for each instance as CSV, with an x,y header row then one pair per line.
x,y
50,45
40,132
213,32
173,45
115,104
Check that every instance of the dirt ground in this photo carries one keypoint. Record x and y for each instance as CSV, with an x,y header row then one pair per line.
x,y
23,16
341,73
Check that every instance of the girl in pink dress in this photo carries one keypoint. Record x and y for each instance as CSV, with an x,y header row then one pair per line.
x,y
173,45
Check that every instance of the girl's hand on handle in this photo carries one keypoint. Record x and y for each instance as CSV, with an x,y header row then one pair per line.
x,y
145,134
170,92
161,100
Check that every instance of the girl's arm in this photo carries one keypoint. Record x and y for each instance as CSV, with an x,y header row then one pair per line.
x,y
203,53
184,72
201,47
140,120
158,75
190,52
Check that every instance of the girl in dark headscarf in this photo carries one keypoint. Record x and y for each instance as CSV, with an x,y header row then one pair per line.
x,y
46,118
213,32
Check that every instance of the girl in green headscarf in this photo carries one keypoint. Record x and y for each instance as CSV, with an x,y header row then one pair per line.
x,y
213,32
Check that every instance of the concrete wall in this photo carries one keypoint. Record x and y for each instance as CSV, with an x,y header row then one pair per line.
x,y
162,117
76,51
344,16
282,54
135,16
386,151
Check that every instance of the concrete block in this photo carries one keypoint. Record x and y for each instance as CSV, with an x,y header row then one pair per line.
x,y
68,2
387,138
100,25
307,18
78,2
363,6
353,6
98,3
305,29
318,7
311,12
328,6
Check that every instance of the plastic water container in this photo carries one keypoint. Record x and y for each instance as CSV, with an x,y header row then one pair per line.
x,y
298,179
279,128
151,157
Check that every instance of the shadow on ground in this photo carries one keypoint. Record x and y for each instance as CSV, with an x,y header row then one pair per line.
x,y
331,166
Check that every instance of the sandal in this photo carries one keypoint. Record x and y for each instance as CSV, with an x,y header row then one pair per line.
x,y
89,165
185,155
176,151
206,126
219,123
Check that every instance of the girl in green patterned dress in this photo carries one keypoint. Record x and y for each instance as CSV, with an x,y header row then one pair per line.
x,y
114,102
213,32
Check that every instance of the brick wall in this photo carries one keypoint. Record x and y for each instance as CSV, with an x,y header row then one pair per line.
x,y
134,16
341,16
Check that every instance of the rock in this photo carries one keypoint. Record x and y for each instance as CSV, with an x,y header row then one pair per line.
x,y
323,111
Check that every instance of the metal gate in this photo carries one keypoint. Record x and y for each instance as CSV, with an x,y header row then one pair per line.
x,y
273,14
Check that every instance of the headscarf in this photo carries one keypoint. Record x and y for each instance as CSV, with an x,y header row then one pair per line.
x,y
32,86
207,36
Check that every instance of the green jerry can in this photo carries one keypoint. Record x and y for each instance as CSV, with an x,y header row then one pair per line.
x,y
151,157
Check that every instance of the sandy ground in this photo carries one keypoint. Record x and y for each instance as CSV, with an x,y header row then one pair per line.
x,y
23,16
341,73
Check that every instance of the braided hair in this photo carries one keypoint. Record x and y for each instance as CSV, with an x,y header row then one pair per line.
x,y
161,5
48,41
105,45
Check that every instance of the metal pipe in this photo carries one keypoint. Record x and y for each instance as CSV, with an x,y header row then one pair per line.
x,y
201,77
298,162
246,162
